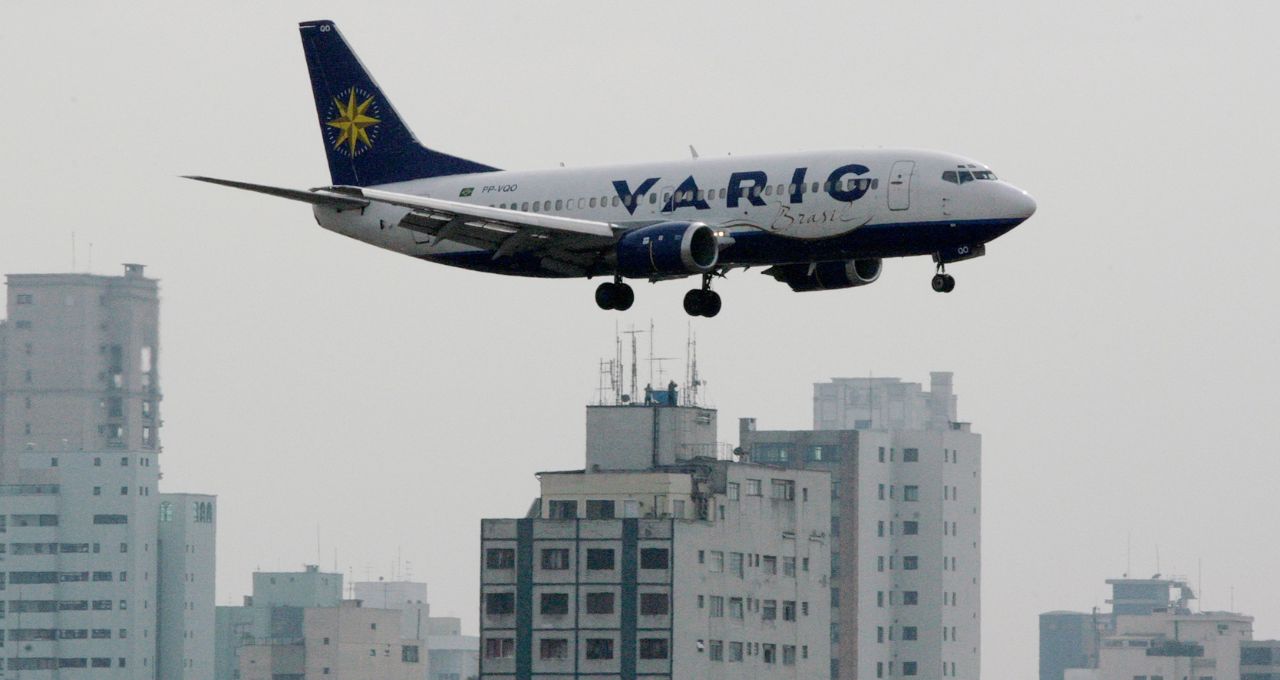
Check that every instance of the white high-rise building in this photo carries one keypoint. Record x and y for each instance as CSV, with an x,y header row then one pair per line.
x,y
86,568
906,511
658,561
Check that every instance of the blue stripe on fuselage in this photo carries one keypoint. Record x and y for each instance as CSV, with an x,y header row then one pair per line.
x,y
752,247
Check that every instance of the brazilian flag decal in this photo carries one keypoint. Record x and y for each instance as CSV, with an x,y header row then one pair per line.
x,y
466,192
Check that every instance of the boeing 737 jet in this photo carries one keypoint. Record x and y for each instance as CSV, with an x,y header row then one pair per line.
x,y
814,221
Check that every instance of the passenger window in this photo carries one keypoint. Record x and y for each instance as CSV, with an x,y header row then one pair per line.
x,y
666,198
723,193
592,202
791,188
627,201
875,183
701,194
815,188
755,192
768,191
525,206
827,186
950,176
653,198
615,201
559,204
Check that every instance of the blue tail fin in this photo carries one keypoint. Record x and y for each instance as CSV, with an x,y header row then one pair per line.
x,y
365,140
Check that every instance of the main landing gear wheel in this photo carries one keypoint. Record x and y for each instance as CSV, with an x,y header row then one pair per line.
x,y
702,303
615,295
944,283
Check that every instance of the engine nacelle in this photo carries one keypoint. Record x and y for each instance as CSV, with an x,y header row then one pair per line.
x,y
668,249
828,275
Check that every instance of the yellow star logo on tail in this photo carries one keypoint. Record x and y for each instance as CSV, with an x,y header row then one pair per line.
x,y
351,123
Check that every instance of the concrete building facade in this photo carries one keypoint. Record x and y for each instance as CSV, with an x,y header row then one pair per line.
x,y
84,566
906,523
657,562
297,626
1152,633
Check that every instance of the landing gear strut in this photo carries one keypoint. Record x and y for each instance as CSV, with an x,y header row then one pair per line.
x,y
702,301
942,281
615,295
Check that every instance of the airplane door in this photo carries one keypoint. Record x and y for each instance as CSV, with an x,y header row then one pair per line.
x,y
900,185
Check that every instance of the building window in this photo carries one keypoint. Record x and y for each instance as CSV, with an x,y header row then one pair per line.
x,y
911,455
600,509
769,652
555,604
654,604
735,608
599,648
499,648
24,299
734,491
653,558
599,558
562,510
653,648
908,667
788,566
754,487
788,655
715,650
880,492
910,562
782,490
409,653
769,564
716,609
500,558
735,651
910,597
717,561
555,558
553,648
769,612
735,564
599,603
910,492
788,610
498,604
911,633
911,528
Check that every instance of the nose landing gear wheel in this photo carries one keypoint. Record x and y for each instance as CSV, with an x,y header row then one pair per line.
x,y
615,295
944,283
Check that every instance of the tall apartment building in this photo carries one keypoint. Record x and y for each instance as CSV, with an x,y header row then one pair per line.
x,y
905,527
657,561
89,562
1152,633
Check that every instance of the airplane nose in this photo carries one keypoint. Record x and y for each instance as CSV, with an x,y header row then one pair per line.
x,y
1021,204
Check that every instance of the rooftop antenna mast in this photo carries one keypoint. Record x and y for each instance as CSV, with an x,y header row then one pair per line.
x,y
691,381
635,359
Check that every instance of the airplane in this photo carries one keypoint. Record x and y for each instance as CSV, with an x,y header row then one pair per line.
x,y
815,221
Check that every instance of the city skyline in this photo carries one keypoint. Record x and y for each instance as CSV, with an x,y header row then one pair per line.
x,y
1113,351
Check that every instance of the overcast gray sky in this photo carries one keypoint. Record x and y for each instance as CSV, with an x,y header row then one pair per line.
x,y
1118,352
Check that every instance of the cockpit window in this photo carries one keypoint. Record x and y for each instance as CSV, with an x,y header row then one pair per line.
x,y
963,176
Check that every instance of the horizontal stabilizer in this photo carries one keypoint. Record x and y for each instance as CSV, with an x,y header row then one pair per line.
x,y
314,197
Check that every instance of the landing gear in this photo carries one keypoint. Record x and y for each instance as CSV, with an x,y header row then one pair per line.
x,y
943,282
616,295
702,301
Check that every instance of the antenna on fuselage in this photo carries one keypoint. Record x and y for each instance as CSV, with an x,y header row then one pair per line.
x,y
693,152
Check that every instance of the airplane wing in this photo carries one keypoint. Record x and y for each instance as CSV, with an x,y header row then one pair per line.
x,y
572,244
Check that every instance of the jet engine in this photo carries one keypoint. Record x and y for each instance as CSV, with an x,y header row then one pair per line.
x,y
827,275
668,249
